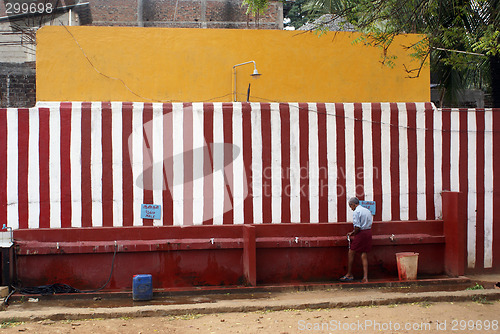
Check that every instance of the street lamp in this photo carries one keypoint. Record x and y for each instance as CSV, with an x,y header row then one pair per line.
x,y
255,74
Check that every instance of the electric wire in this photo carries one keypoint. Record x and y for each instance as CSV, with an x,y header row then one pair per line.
x,y
59,287
110,273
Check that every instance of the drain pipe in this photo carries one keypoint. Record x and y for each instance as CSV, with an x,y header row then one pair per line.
x,y
140,12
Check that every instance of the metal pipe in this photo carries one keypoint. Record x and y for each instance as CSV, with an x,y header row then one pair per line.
x,y
255,73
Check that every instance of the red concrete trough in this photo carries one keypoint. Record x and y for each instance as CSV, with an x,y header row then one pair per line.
x,y
217,255
229,255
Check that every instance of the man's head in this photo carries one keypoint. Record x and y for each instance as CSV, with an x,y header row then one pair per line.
x,y
353,203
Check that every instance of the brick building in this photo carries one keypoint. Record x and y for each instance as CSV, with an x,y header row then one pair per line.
x,y
18,25
183,14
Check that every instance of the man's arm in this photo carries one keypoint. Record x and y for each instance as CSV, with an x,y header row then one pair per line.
x,y
354,232
355,222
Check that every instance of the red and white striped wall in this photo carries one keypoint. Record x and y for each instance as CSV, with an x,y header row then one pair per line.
x,y
85,164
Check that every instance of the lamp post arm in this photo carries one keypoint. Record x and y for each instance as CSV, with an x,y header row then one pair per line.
x,y
234,75
248,62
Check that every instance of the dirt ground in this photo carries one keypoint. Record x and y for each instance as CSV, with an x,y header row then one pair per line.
x,y
477,316
442,317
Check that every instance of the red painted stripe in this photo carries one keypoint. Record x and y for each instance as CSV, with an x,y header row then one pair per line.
x,y
107,165
208,164
323,163
247,161
496,187
463,156
429,162
227,115
187,134
358,151
147,158
480,125
377,158
341,172
395,202
305,216
285,162
43,148
411,111
463,153
22,165
265,121
66,203
127,176
168,169
3,167
446,157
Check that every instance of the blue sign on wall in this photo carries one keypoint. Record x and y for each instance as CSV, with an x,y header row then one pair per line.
x,y
150,211
370,205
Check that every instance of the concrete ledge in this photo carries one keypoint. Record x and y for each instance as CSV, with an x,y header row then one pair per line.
x,y
247,305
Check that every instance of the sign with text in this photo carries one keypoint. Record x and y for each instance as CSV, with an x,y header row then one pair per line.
x,y
150,211
370,205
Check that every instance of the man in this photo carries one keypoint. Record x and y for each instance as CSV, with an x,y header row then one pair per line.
x,y
362,242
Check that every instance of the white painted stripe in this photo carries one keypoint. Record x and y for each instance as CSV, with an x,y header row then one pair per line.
x,y
178,163
199,145
313,163
331,155
136,143
350,170
367,151
438,156
488,189
455,151
240,188
157,151
218,158
117,155
385,133
276,168
472,192
96,163
421,170
34,169
256,163
76,165
55,167
294,163
403,162
12,169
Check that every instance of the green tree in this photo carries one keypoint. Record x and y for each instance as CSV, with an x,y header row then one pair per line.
x,y
461,38
295,12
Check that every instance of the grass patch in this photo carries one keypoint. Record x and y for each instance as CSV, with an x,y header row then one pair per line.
x,y
481,300
10,324
476,287
186,317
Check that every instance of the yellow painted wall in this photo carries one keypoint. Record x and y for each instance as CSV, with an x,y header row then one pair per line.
x,y
165,64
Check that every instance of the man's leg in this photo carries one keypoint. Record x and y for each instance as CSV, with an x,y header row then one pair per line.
x,y
350,261
364,260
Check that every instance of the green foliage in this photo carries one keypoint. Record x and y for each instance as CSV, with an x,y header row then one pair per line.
x,y
476,287
10,323
489,43
295,12
481,300
458,35
256,7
